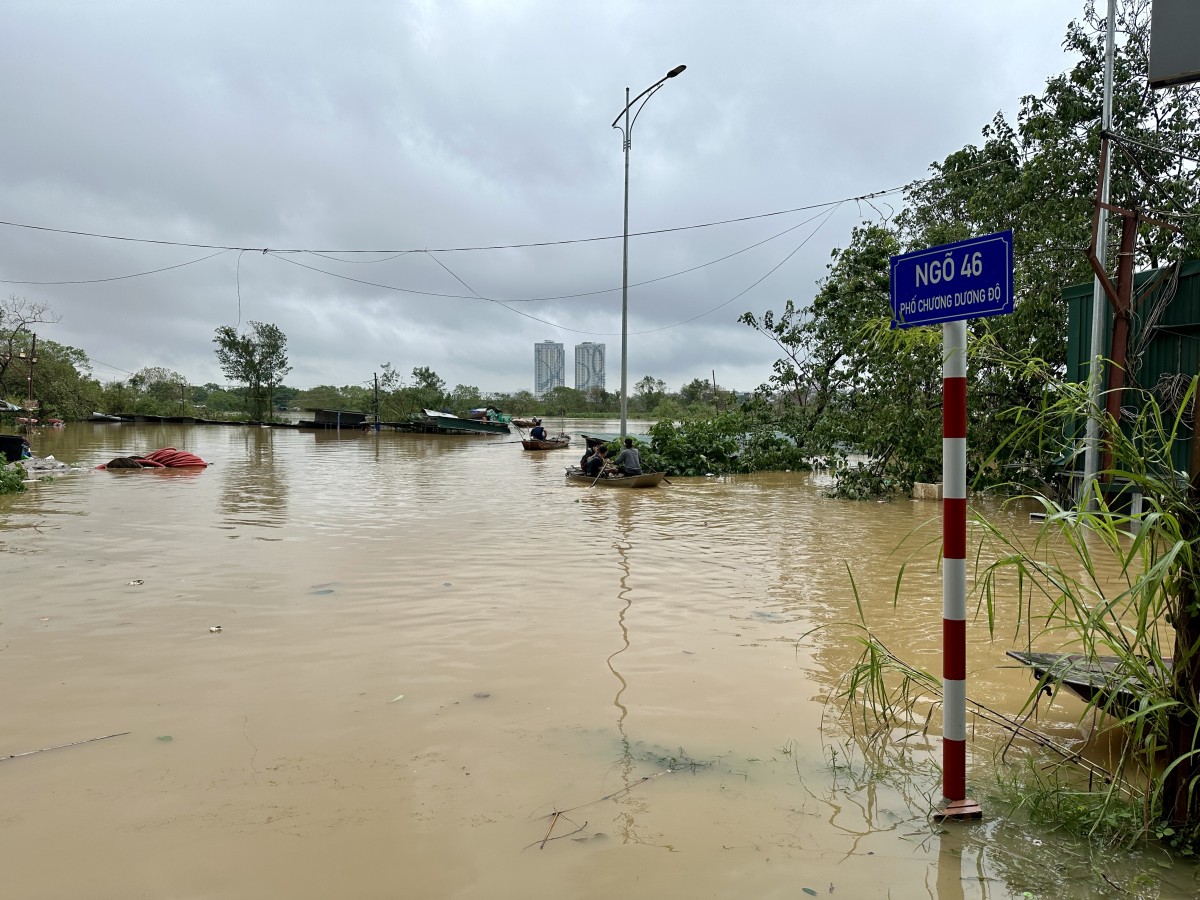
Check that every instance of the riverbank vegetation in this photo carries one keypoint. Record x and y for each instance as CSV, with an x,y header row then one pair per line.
x,y
1115,578
844,384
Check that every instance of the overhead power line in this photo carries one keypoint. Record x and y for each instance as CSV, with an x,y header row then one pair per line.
x,y
518,246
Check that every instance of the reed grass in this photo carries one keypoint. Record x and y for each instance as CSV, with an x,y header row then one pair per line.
x,y
1098,580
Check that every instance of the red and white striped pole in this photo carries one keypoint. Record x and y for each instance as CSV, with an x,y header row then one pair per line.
x,y
954,574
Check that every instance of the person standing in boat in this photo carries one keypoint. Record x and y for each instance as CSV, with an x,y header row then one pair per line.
x,y
595,463
538,433
629,461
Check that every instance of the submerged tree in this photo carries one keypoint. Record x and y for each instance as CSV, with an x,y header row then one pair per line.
x,y
257,359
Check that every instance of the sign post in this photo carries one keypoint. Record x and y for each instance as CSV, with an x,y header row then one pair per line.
x,y
948,285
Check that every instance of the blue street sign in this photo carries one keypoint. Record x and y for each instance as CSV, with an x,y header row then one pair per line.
x,y
965,280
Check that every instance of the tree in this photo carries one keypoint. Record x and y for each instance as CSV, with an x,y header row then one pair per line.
x,y
63,383
648,393
18,317
841,378
695,391
162,390
257,359
429,390
465,397
1038,177
844,387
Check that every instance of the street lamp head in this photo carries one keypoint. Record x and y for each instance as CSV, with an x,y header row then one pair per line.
x,y
675,71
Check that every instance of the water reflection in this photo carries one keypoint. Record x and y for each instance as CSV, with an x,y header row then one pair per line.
x,y
625,764
254,487
949,884
445,642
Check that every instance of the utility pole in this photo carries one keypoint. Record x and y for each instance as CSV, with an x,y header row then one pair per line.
x,y
32,357
376,401
1091,444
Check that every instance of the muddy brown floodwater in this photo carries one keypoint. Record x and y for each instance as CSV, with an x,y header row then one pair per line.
x,y
429,646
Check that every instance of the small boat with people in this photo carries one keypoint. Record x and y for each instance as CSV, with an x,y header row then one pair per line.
x,y
576,475
558,443
540,439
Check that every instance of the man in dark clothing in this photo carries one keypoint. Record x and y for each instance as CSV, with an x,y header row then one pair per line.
x,y
538,433
595,463
629,461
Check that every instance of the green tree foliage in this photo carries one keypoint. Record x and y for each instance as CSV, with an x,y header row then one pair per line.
x,y
161,392
63,383
59,376
841,387
647,394
738,441
257,359
695,391
12,477
843,383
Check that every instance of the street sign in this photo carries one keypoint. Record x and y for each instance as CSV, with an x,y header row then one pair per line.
x,y
965,280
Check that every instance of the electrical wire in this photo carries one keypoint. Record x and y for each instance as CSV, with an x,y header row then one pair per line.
x,y
754,284
119,277
870,195
476,296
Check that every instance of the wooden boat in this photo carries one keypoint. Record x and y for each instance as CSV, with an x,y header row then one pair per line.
x,y
1101,680
558,443
645,480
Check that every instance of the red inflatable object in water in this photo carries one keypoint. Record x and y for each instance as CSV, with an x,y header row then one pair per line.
x,y
166,458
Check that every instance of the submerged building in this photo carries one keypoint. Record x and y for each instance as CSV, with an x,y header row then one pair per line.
x,y
549,367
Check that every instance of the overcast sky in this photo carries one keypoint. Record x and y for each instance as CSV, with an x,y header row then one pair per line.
x,y
433,126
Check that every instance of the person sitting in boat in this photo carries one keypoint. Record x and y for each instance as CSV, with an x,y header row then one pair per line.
x,y
595,463
629,461
538,433
587,454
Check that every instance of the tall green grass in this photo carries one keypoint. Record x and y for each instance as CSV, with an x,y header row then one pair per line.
x,y
1096,580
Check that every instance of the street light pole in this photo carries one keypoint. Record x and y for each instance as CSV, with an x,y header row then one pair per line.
x,y
627,133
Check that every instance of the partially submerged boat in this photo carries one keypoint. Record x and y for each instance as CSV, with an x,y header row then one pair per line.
x,y
1104,681
645,480
448,423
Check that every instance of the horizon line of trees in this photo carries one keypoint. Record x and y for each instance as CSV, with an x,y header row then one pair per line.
x,y
256,362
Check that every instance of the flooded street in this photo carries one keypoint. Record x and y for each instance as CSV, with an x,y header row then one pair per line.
x,y
431,645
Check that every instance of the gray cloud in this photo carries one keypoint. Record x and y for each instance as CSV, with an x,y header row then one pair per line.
x,y
461,124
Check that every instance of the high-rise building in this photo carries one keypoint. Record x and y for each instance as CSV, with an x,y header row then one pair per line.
x,y
589,366
549,367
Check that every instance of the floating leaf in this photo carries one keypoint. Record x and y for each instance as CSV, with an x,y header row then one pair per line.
x,y
165,738
397,697
810,892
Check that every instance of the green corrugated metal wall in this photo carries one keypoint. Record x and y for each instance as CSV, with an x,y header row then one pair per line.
x,y
1174,346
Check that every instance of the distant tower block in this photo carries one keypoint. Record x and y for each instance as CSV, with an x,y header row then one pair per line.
x,y
589,366
549,367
